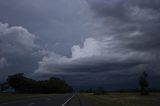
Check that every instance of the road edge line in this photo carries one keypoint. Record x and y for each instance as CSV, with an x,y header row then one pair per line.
x,y
67,101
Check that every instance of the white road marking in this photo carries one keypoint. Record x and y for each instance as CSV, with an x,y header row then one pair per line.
x,y
31,104
67,101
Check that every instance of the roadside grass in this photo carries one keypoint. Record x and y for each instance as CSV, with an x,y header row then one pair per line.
x,y
6,97
123,99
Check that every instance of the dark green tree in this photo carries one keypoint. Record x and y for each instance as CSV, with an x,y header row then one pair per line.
x,y
20,83
143,82
25,85
59,86
17,81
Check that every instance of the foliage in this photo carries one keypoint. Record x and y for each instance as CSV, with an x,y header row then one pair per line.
x,y
25,85
143,82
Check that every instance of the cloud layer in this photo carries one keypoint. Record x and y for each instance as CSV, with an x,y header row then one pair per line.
x,y
15,40
127,43
17,46
113,41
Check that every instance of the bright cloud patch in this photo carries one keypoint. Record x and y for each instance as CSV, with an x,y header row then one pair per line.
x,y
87,59
15,40
3,62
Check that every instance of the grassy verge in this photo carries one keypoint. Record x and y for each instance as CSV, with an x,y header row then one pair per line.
x,y
123,99
6,97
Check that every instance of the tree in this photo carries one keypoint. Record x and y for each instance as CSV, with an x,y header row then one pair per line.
x,y
25,85
59,86
143,82
20,83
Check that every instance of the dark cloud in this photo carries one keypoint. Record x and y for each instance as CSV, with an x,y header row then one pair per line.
x,y
135,22
17,46
109,40
132,30
55,22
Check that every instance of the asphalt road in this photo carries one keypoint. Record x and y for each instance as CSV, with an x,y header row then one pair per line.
x,y
56,100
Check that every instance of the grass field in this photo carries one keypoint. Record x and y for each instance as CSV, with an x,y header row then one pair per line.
x,y
123,99
5,97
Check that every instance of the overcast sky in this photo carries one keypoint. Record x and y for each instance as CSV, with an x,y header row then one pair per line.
x,y
88,43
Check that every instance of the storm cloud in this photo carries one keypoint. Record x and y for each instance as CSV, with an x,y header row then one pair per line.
x,y
80,41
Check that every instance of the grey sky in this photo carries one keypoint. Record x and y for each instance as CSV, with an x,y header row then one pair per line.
x,y
81,39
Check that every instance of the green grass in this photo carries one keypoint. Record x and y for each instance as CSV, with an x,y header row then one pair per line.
x,y
123,99
5,97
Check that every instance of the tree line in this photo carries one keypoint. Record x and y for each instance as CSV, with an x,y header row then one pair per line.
x,y
22,84
143,85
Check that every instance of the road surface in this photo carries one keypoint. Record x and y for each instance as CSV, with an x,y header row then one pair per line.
x,y
56,100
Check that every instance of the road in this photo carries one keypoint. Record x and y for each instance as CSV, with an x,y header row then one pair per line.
x,y
56,100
